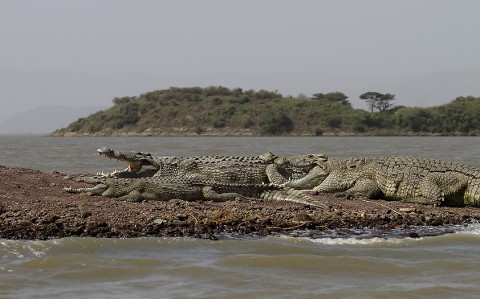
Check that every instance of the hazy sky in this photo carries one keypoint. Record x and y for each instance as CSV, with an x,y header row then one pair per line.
x,y
156,44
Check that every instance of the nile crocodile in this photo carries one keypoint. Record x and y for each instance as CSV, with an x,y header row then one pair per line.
x,y
408,179
266,168
156,188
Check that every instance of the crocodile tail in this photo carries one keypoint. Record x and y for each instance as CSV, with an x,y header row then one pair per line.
x,y
289,194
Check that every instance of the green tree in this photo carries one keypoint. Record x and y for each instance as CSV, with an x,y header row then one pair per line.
x,y
335,97
376,100
385,102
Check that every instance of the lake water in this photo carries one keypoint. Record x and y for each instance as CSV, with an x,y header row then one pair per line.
x,y
445,266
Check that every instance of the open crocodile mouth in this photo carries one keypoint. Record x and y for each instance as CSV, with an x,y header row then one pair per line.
x,y
136,161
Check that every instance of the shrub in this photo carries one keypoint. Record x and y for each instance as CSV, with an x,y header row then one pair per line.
x,y
335,122
277,124
219,123
198,130
217,101
318,131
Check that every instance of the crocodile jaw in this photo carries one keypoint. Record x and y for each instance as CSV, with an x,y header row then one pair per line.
x,y
97,190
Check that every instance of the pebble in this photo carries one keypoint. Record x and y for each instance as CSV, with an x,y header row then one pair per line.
x,y
407,210
159,221
182,217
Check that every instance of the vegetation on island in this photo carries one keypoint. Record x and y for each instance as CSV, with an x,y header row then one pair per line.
x,y
218,110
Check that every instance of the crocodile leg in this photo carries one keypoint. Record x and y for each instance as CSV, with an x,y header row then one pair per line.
x,y
408,187
472,193
275,174
364,188
133,196
335,182
436,187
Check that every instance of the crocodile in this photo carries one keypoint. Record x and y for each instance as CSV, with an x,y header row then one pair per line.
x,y
265,168
408,179
141,164
157,188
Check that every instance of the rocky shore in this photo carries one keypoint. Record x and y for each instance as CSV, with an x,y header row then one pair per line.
x,y
34,206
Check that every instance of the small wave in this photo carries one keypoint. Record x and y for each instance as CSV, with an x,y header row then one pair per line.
x,y
365,242
369,233
13,250
372,237
472,228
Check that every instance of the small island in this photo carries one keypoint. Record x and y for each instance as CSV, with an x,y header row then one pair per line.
x,y
220,111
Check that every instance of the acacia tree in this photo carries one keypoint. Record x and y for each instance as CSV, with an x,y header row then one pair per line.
x,y
376,100
335,97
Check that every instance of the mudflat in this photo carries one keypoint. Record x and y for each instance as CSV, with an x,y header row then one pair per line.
x,y
33,205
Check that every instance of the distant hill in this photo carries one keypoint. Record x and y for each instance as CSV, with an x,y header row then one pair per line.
x,y
43,119
218,110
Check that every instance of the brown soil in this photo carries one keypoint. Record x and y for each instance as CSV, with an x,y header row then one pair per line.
x,y
34,206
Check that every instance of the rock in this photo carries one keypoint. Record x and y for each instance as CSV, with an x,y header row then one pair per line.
x,y
159,221
303,217
86,215
407,210
182,217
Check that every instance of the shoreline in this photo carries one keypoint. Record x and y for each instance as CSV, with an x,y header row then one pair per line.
x,y
223,134
33,206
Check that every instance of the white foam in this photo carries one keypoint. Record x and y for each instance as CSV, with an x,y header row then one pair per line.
x,y
13,250
363,242
471,229
355,241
